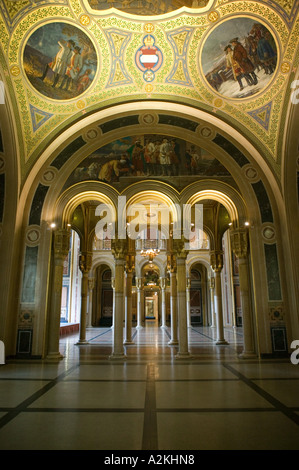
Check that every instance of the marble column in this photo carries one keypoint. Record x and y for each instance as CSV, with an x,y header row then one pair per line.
x,y
119,253
91,284
85,262
188,302
128,303
212,294
173,307
217,265
113,305
181,255
163,301
61,244
240,246
139,303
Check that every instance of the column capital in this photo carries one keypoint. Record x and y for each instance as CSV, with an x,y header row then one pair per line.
x,y
130,263
239,242
85,262
61,242
139,282
119,248
179,248
171,263
163,282
216,260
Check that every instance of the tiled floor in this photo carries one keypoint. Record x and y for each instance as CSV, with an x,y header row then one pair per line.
x,y
150,401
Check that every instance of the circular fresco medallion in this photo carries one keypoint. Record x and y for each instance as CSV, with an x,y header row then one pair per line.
x,y
239,58
60,61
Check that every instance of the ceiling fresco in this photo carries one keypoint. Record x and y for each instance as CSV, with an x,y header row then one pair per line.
x,y
63,60
136,158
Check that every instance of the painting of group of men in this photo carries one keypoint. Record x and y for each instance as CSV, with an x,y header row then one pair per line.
x,y
150,156
246,61
60,60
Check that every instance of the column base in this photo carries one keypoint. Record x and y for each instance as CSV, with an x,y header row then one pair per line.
x,y
248,355
139,327
82,342
221,341
173,342
163,326
117,357
183,356
54,357
126,342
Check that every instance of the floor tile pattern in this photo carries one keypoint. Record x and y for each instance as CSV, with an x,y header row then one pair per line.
x,y
213,400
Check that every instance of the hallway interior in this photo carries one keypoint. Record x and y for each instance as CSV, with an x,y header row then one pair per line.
x,y
151,401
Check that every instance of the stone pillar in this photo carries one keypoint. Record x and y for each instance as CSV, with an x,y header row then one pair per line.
x,y
181,255
239,244
113,306
139,302
91,284
119,253
217,265
212,294
61,244
163,301
85,262
128,302
188,303
173,304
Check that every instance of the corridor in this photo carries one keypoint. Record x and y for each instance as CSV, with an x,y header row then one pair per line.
x,y
151,401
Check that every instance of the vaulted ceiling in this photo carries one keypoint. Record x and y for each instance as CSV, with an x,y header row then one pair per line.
x,y
149,51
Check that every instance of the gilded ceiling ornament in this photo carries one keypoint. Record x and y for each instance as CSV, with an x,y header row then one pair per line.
x,y
84,20
149,58
15,70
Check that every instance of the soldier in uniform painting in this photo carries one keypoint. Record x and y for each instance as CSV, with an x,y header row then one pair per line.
x,y
245,64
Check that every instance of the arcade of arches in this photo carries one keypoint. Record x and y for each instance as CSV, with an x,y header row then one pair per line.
x,y
151,114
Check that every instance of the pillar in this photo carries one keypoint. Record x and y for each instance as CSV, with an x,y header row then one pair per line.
x,y
113,306
181,255
91,284
61,243
212,294
188,303
140,302
173,305
217,265
128,303
163,301
85,261
119,253
239,244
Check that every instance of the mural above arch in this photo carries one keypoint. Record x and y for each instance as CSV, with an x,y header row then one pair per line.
x,y
146,7
152,156
239,57
60,61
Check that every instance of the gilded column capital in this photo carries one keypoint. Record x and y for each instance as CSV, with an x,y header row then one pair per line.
x,y
119,248
163,282
139,282
130,263
239,242
179,248
171,263
216,260
85,262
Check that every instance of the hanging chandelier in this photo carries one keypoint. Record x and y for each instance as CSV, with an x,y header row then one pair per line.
x,y
150,253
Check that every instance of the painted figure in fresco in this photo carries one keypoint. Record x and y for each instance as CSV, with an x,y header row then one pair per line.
x,y
84,81
266,48
232,64
73,68
164,157
137,158
241,57
61,61
149,151
174,160
109,171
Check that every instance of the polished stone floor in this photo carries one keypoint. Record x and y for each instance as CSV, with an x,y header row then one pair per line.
x,y
150,401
